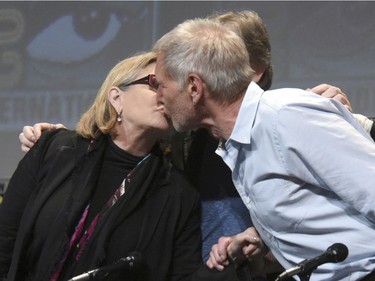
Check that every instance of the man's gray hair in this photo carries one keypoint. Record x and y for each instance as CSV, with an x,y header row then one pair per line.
x,y
211,50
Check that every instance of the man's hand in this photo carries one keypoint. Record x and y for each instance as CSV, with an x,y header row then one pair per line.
x,y
30,134
246,245
332,92
219,254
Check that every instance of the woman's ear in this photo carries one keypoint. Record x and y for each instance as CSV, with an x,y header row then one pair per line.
x,y
114,98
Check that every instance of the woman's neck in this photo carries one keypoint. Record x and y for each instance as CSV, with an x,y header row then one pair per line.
x,y
135,143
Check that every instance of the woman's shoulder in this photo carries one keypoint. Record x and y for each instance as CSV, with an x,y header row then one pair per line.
x,y
52,142
62,138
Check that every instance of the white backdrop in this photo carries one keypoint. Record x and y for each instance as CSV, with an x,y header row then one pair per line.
x,y
54,55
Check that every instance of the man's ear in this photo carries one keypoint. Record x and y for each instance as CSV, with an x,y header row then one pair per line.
x,y
196,88
114,98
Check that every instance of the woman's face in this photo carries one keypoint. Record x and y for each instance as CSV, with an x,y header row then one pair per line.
x,y
140,110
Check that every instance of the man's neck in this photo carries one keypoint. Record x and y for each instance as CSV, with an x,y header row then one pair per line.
x,y
222,118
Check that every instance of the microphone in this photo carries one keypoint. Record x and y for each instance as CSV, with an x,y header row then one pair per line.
x,y
132,261
335,253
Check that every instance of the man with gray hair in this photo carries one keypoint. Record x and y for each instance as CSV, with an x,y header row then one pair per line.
x,y
301,163
215,60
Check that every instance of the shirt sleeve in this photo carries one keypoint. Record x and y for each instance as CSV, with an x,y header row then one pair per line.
x,y
372,130
323,145
366,123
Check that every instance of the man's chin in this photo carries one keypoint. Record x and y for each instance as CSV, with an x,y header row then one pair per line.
x,y
215,133
168,117
180,128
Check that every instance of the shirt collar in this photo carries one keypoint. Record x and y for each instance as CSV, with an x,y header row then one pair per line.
x,y
242,128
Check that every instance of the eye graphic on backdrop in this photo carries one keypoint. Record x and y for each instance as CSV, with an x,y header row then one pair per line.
x,y
87,36
80,44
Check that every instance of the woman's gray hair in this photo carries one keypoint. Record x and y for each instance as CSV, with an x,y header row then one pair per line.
x,y
214,52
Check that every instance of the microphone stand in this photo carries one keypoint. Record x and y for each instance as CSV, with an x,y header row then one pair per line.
x,y
305,276
302,276
306,272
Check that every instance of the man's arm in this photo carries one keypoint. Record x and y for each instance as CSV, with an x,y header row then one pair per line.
x,y
332,92
335,93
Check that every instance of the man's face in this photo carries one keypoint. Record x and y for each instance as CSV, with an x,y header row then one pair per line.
x,y
177,103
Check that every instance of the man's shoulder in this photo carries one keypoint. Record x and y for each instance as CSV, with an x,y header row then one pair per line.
x,y
284,96
289,98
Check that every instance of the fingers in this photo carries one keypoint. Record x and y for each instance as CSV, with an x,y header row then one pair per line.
x,y
219,256
30,134
58,126
39,127
332,92
216,260
25,143
322,88
223,246
27,138
252,250
245,245
250,244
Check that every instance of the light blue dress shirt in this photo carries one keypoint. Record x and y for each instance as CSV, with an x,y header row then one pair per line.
x,y
305,169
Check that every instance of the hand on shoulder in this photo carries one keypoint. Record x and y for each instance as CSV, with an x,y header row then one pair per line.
x,y
30,134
